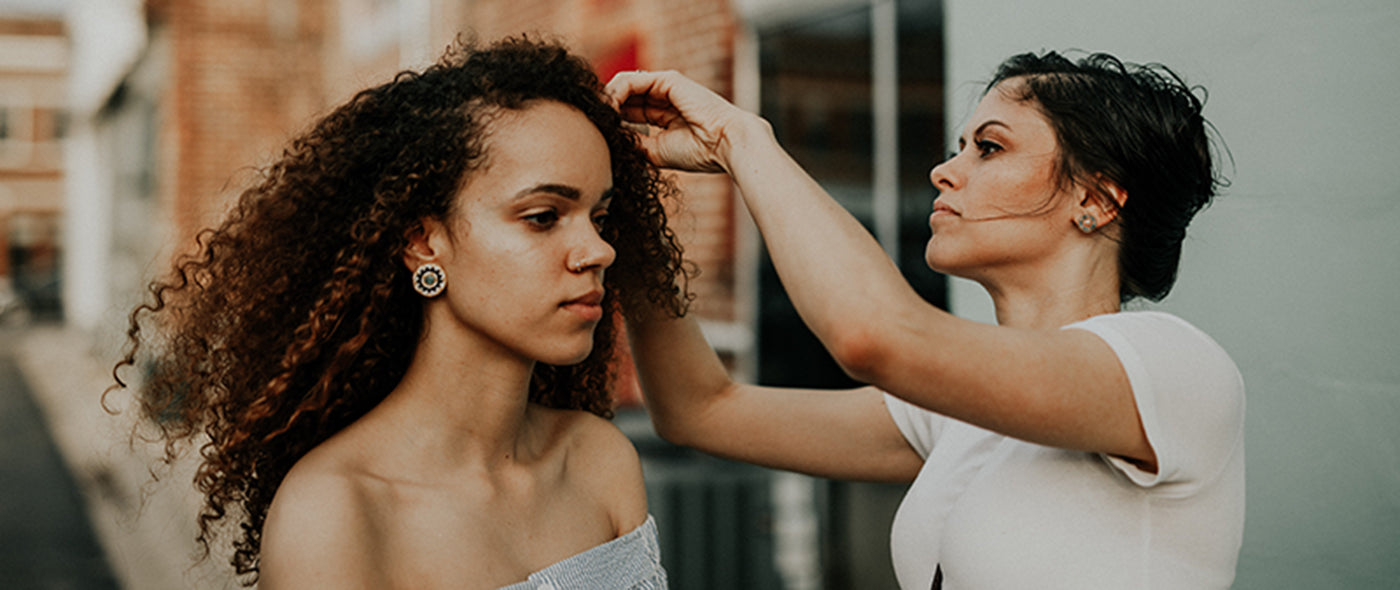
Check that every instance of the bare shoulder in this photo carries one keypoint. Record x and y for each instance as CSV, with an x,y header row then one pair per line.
x,y
317,533
602,461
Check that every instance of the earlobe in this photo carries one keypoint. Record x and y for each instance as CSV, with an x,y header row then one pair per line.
x,y
1100,204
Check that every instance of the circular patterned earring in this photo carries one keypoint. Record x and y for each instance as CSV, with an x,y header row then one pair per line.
x,y
1087,223
429,280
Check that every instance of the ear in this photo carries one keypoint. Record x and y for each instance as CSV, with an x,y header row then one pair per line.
x,y
1103,199
426,243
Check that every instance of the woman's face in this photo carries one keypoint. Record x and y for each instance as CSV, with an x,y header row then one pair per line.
x,y
523,257
998,205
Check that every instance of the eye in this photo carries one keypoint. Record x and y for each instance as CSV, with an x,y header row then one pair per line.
x,y
543,219
600,219
987,148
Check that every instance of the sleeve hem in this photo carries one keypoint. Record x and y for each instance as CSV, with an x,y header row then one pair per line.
x,y
899,412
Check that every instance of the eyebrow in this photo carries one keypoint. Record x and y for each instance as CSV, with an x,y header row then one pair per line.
x,y
561,190
983,127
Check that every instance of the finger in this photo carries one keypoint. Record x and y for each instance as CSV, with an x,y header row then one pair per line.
x,y
649,88
650,115
624,85
652,150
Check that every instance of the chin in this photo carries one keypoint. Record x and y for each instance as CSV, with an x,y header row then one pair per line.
x,y
569,358
946,265
932,259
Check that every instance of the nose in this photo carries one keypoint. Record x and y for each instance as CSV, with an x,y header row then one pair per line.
x,y
593,253
942,175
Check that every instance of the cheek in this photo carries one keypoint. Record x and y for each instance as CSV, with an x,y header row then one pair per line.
x,y
1025,187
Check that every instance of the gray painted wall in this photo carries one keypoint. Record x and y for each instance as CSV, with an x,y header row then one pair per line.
x,y
1295,270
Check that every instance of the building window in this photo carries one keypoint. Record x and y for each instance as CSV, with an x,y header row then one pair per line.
x,y
4,123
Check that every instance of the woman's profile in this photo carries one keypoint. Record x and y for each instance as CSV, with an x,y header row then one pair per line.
x,y
393,356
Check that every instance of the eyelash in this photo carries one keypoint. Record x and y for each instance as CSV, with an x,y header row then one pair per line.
x,y
984,148
547,219
988,148
543,219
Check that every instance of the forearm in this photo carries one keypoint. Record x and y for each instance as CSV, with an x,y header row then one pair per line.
x,y
680,374
692,402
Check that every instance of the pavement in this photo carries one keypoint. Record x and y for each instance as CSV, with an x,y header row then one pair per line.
x,y
142,530
46,539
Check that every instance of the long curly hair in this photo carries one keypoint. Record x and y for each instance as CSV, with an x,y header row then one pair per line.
x,y
296,315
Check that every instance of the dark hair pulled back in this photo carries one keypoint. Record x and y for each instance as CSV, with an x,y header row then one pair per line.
x,y
1138,126
296,316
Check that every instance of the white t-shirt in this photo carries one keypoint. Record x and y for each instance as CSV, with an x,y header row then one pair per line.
x,y
1001,513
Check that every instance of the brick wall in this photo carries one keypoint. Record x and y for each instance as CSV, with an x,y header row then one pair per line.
x,y
245,75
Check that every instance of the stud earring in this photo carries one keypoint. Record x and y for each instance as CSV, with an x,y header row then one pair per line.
x,y
429,280
1087,223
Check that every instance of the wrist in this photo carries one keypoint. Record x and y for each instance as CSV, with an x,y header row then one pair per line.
x,y
747,132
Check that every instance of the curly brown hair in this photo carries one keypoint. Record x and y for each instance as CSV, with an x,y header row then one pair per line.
x,y
296,315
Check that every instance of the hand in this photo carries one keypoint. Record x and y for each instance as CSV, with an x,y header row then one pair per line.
x,y
689,126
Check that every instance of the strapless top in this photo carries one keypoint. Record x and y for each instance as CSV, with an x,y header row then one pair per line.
x,y
629,562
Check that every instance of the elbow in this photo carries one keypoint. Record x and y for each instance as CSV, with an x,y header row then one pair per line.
x,y
670,430
858,350
692,421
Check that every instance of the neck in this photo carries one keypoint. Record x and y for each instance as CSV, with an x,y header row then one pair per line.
x,y
1071,288
461,402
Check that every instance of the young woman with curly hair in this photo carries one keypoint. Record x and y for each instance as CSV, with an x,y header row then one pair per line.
x,y
394,354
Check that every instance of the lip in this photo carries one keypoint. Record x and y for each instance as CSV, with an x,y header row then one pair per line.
x,y
941,210
588,306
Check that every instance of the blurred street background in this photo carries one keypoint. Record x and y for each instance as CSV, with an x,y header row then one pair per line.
x,y
128,125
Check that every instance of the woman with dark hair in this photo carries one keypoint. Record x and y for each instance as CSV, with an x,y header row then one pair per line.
x,y
394,354
1074,444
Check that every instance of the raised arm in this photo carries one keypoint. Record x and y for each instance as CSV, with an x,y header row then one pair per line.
x,y
1062,388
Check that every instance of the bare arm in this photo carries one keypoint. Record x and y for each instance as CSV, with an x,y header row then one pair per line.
x,y
1059,388
693,402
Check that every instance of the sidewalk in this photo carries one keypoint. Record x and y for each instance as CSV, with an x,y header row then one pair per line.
x,y
146,528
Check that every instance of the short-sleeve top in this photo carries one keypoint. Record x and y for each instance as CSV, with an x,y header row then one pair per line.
x,y
629,562
997,512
